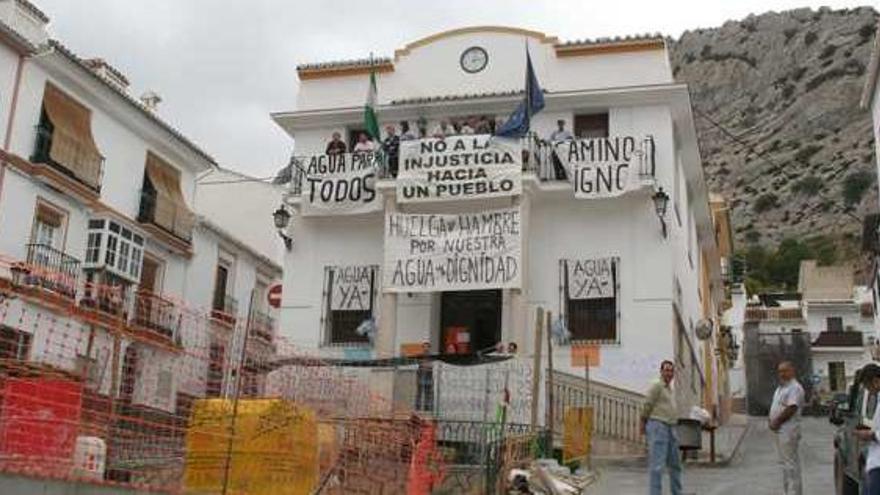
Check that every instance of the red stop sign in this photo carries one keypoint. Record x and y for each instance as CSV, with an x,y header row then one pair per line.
x,y
274,296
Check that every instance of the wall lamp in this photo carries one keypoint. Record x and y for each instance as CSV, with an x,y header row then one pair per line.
x,y
282,219
661,201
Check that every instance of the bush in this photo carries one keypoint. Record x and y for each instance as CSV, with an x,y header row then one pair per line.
x,y
855,185
789,34
808,186
867,31
810,38
828,51
765,202
804,154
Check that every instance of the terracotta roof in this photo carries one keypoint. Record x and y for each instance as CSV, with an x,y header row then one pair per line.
x,y
21,43
840,339
63,50
100,63
33,10
466,96
612,40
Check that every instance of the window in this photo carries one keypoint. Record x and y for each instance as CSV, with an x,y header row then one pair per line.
x,y
221,285
834,324
14,344
591,306
349,302
591,125
120,247
129,373
836,376
48,228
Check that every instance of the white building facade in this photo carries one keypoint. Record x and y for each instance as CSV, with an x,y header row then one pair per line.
x,y
106,270
655,279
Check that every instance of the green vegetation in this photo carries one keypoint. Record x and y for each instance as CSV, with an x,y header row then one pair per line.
x,y
777,269
855,185
765,202
804,154
808,186
810,38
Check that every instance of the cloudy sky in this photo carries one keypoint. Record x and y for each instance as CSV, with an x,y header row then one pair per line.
x,y
223,65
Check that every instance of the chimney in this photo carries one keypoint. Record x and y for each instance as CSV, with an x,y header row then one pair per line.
x,y
108,73
25,19
151,100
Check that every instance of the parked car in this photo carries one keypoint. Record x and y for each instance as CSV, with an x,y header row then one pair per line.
x,y
854,411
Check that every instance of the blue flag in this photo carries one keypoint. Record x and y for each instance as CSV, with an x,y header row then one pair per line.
x,y
518,123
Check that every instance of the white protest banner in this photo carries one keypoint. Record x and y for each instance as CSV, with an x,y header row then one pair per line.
x,y
459,167
591,278
352,288
606,167
342,184
425,252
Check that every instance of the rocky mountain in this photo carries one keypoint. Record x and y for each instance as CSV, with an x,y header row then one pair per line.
x,y
776,102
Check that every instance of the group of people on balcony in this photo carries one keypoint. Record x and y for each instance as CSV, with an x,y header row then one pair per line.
x,y
390,145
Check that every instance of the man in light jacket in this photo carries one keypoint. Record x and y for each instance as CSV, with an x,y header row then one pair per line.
x,y
785,422
659,420
870,378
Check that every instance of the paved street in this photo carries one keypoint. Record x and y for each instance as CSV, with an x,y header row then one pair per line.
x,y
753,472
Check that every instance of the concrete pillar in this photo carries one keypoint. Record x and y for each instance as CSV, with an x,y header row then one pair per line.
x,y
382,380
519,298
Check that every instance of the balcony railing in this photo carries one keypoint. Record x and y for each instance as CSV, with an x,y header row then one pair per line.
x,y
262,327
50,269
840,339
79,161
225,310
539,158
157,314
108,294
170,217
773,314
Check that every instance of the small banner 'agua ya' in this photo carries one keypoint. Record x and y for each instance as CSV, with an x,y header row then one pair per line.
x,y
592,278
352,288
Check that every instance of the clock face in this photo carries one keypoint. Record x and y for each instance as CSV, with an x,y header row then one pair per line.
x,y
474,59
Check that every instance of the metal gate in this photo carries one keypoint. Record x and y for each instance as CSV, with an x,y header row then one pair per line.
x,y
763,353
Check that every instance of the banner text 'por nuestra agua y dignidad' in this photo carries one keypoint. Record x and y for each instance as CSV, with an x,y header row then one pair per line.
x,y
425,252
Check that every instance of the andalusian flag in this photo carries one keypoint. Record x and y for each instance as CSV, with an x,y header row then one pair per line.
x,y
371,123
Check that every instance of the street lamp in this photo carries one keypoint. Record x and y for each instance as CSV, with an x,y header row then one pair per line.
x,y
282,219
661,201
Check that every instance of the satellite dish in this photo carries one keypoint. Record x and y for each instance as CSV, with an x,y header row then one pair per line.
x,y
704,329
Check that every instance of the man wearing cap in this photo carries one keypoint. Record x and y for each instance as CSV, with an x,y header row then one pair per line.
x,y
785,422
870,377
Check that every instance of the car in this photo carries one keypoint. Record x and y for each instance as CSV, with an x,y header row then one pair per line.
x,y
853,411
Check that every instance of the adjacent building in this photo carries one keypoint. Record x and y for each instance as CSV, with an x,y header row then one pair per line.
x,y
870,237
606,224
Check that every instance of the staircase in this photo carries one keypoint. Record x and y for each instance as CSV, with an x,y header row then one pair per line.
x,y
616,417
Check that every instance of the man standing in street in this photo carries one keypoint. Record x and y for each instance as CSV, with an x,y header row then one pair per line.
x,y
659,418
785,422
870,378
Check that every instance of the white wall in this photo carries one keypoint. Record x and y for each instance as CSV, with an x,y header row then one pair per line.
x,y
8,66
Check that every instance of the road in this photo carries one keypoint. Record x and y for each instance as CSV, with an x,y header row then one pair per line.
x,y
753,472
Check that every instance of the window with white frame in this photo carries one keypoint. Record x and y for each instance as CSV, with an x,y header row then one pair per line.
x,y
115,247
349,303
590,292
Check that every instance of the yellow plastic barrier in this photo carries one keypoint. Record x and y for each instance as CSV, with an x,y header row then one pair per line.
x,y
274,450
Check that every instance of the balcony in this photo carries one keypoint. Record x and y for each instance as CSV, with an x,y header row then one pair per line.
x,y
157,315
773,314
539,158
840,339
49,269
170,217
224,310
262,327
67,154
106,293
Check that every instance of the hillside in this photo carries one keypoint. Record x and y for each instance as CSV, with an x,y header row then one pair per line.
x,y
776,105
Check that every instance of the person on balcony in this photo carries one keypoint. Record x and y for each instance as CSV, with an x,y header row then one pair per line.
x,y
391,147
364,144
406,134
468,126
336,146
561,134
659,420
442,130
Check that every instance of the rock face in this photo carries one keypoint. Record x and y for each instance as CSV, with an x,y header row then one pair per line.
x,y
776,101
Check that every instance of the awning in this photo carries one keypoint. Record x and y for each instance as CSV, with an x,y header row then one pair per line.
x,y
72,144
170,211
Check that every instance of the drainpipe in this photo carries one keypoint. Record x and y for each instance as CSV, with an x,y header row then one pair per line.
x,y
13,104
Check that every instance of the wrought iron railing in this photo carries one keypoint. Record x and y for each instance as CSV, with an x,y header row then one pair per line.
x,y
156,313
773,314
109,298
69,155
170,217
50,269
262,327
225,309
616,412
